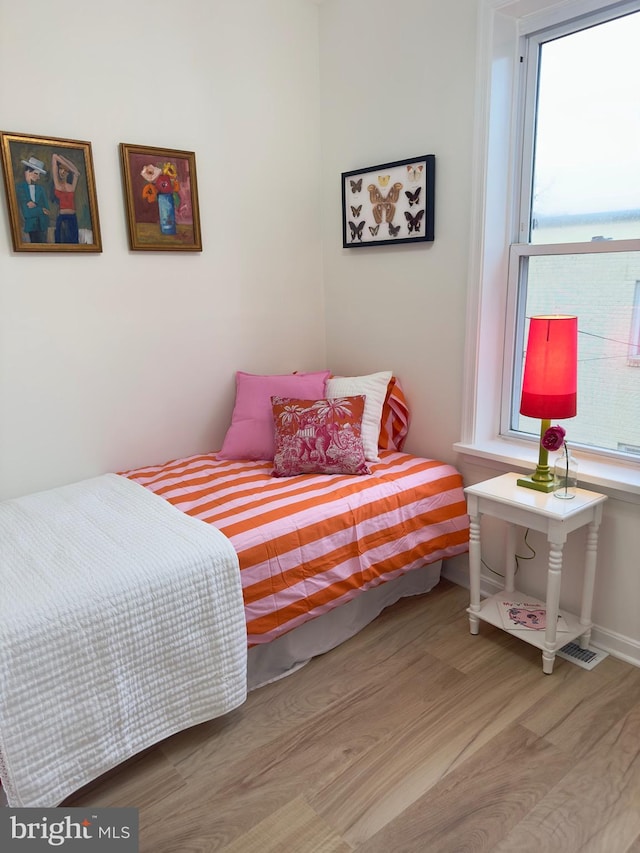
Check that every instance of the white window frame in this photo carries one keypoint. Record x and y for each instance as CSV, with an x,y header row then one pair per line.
x,y
633,357
496,218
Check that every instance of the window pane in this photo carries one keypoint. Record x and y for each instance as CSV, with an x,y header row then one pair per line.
x,y
586,176
602,290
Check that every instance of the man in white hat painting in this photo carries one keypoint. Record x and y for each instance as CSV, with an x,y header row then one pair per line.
x,y
32,201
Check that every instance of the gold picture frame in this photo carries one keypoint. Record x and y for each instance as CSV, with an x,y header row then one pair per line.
x,y
51,193
161,198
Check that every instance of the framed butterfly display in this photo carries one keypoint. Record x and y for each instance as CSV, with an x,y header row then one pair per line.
x,y
389,203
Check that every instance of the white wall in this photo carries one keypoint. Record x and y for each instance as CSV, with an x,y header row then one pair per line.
x,y
127,358
398,82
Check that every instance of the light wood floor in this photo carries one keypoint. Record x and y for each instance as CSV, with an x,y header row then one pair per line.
x,y
413,737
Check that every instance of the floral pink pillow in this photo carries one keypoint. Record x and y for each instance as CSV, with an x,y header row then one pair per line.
x,y
318,436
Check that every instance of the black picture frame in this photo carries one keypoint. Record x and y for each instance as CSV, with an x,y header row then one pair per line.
x,y
389,204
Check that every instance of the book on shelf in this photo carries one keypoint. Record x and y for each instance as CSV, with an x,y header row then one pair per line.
x,y
526,614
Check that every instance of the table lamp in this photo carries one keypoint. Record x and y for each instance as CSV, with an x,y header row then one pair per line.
x,y
549,386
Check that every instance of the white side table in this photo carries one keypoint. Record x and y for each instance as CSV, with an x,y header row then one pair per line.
x,y
502,498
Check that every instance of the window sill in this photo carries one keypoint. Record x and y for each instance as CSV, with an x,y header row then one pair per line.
x,y
608,476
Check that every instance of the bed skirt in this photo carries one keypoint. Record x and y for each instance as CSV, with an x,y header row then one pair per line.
x,y
288,653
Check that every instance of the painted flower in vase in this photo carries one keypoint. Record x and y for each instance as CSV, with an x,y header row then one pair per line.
x,y
162,188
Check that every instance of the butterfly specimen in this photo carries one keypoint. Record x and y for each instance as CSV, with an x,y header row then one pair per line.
x,y
356,230
383,180
356,186
393,230
355,211
384,206
414,197
373,230
414,172
414,221
377,198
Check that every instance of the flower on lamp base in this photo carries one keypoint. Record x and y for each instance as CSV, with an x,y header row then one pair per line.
x,y
565,471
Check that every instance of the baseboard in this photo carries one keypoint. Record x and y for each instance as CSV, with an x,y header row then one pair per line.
x,y
618,646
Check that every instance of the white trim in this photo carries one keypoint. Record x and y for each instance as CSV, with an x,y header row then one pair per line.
x,y
592,248
494,174
633,357
477,236
533,15
514,318
492,182
615,479
570,11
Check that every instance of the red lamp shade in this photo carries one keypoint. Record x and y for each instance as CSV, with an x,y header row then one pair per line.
x,y
550,384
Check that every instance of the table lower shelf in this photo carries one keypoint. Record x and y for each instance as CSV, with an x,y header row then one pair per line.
x,y
490,612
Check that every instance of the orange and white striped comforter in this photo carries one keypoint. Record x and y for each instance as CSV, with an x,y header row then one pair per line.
x,y
307,544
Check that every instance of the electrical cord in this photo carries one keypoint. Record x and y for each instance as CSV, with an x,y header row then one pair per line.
x,y
518,557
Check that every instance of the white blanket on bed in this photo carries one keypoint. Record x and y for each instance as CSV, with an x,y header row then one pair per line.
x,y
121,623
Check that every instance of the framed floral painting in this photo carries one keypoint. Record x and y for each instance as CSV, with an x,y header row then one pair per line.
x,y
51,194
161,197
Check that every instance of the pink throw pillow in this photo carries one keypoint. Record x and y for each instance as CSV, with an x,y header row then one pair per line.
x,y
318,436
251,434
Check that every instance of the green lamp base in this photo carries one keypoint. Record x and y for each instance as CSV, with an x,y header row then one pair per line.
x,y
542,478
530,483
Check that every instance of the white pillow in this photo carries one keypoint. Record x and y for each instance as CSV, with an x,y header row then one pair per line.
x,y
374,388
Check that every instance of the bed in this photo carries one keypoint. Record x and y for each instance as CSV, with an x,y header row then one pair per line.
x,y
307,560
311,544
322,555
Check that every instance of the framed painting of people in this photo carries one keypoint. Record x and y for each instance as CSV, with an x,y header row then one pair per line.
x,y
51,194
161,198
